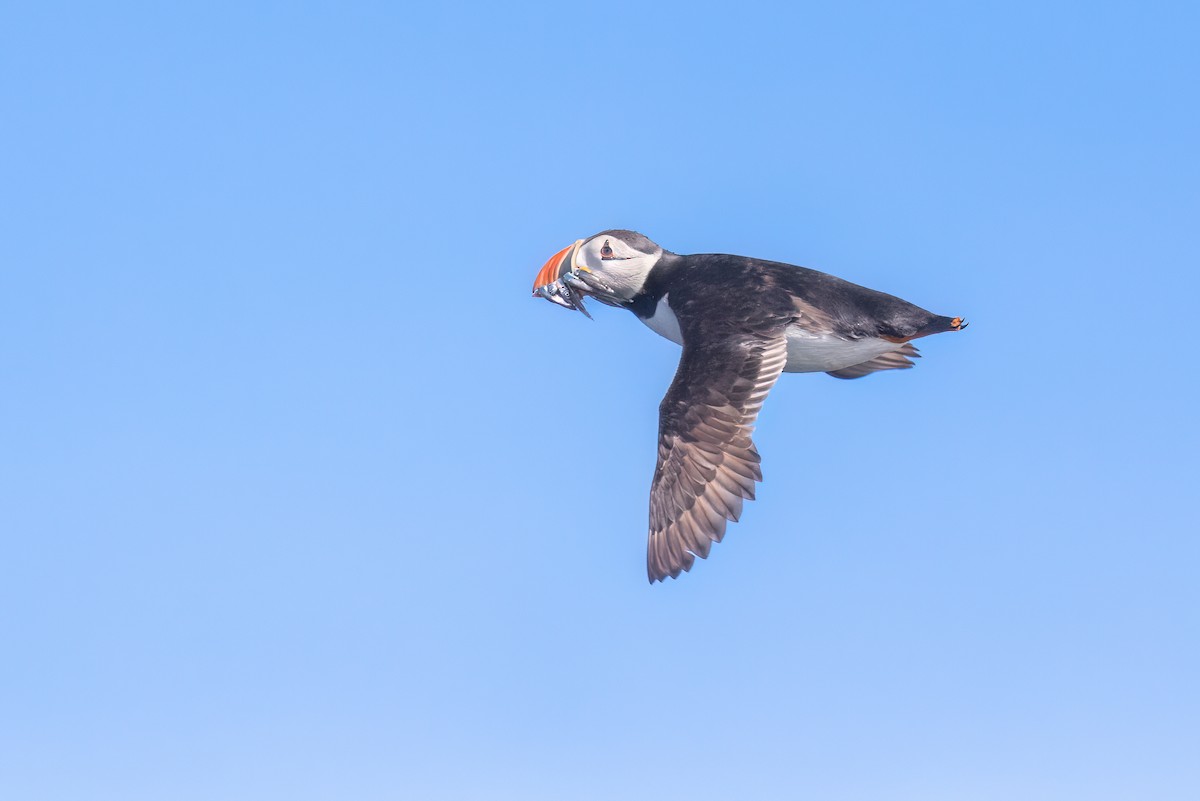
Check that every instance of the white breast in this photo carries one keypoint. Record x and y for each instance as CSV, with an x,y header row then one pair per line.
x,y
664,322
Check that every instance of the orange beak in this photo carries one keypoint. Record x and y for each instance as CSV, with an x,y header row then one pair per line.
x,y
558,264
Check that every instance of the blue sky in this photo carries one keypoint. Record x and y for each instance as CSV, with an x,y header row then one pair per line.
x,y
303,497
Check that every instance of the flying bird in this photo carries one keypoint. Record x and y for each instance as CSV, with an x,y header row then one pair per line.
x,y
741,323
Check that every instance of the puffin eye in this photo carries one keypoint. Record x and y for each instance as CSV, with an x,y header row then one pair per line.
x,y
606,251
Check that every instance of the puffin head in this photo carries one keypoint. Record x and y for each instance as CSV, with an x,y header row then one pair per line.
x,y
610,266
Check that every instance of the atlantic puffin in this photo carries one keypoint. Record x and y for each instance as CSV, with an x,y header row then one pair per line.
x,y
741,322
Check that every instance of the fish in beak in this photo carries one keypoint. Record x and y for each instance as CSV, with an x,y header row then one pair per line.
x,y
558,281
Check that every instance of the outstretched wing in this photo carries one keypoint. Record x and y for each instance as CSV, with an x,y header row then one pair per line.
x,y
706,461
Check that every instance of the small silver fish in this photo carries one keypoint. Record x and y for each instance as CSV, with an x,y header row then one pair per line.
x,y
585,282
560,293
550,283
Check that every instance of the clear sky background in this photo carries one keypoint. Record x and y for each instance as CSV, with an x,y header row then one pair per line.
x,y
302,496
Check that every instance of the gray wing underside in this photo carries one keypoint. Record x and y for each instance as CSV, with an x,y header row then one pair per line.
x,y
707,463
896,360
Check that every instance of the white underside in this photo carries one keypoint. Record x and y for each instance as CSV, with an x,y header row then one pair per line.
x,y
813,353
806,352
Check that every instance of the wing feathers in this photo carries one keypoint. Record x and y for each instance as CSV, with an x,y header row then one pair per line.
x,y
707,462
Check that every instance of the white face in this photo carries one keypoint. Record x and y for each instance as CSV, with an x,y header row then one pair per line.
x,y
617,263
